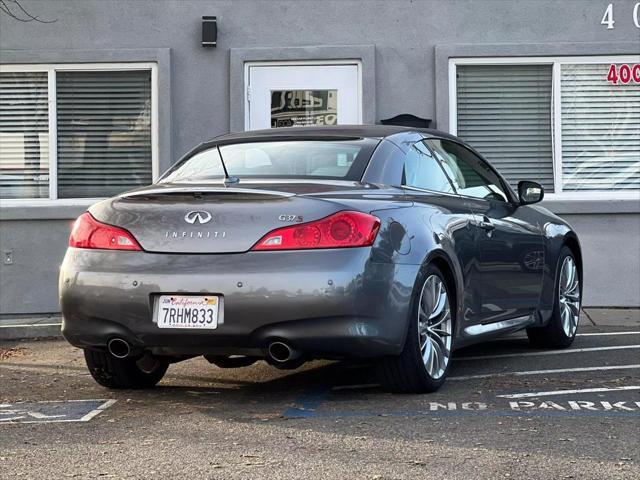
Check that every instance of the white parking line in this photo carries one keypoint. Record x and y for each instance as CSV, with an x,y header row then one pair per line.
x,y
96,411
543,372
569,392
606,334
52,411
553,352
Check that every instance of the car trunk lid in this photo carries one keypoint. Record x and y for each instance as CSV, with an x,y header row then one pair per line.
x,y
215,219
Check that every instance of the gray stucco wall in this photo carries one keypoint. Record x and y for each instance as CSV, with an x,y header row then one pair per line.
x,y
404,33
30,284
410,42
610,245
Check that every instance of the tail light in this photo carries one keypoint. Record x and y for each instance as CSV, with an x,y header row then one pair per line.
x,y
87,232
340,230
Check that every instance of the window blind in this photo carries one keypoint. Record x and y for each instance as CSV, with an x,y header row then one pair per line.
x,y
104,132
504,111
24,135
600,130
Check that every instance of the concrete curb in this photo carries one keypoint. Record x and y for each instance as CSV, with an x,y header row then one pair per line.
x,y
31,327
613,317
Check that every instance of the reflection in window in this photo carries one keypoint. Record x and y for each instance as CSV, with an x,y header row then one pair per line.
x,y
291,159
304,158
104,132
298,108
469,174
205,165
504,111
600,130
24,135
421,170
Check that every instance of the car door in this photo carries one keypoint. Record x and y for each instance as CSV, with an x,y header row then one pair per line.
x,y
508,238
446,215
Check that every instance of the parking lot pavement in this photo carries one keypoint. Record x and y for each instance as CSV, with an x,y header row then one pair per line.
x,y
507,410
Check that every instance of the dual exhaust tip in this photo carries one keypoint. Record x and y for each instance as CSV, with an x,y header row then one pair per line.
x,y
279,352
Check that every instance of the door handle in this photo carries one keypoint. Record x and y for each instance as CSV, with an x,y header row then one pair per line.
x,y
486,224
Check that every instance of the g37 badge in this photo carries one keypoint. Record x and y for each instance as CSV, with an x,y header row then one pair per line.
x,y
290,218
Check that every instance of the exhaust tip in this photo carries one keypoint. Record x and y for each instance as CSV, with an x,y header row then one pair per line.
x,y
280,351
119,348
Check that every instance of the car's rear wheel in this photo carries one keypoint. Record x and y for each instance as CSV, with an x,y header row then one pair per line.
x,y
563,325
425,360
125,373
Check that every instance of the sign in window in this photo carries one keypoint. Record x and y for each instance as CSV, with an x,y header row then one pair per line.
x,y
299,108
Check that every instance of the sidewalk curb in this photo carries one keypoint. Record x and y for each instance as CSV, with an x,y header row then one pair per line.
x,y
30,328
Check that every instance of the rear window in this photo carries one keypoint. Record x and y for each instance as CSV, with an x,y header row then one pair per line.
x,y
335,159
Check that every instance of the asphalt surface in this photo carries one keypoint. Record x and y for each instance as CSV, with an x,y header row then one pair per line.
x,y
331,420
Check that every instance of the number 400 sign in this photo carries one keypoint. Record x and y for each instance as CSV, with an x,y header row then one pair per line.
x,y
623,74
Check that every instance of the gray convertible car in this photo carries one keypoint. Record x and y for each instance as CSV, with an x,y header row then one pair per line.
x,y
388,243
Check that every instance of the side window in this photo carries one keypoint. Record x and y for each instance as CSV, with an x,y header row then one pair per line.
x,y
470,174
421,170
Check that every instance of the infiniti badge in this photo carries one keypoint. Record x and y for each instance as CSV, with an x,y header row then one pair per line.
x,y
197,216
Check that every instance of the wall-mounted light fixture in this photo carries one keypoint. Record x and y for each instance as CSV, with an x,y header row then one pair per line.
x,y
209,31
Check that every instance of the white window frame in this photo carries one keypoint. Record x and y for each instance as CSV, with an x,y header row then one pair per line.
x,y
556,98
51,70
297,63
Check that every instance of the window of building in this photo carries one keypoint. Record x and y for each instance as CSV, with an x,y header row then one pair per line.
x,y
24,135
76,131
504,111
600,130
559,121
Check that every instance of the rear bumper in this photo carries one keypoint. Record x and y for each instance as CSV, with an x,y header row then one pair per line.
x,y
326,303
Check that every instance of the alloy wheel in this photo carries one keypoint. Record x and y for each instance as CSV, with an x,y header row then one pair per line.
x,y
434,326
569,296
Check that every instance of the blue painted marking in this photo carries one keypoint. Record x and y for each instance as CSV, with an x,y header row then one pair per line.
x,y
308,402
460,413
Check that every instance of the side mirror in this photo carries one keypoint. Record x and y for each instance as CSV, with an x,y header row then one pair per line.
x,y
530,192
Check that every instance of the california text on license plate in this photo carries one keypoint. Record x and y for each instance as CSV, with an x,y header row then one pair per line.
x,y
187,311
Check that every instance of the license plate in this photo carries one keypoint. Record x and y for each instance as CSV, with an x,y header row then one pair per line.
x,y
187,311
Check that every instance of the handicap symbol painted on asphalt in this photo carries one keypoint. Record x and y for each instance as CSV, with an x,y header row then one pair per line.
x,y
52,411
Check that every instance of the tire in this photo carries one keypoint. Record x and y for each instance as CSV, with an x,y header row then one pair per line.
x,y
410,372
561,329
127,373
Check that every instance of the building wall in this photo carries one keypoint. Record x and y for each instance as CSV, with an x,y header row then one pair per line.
x,y
404,33
196,92
610,244
30,284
